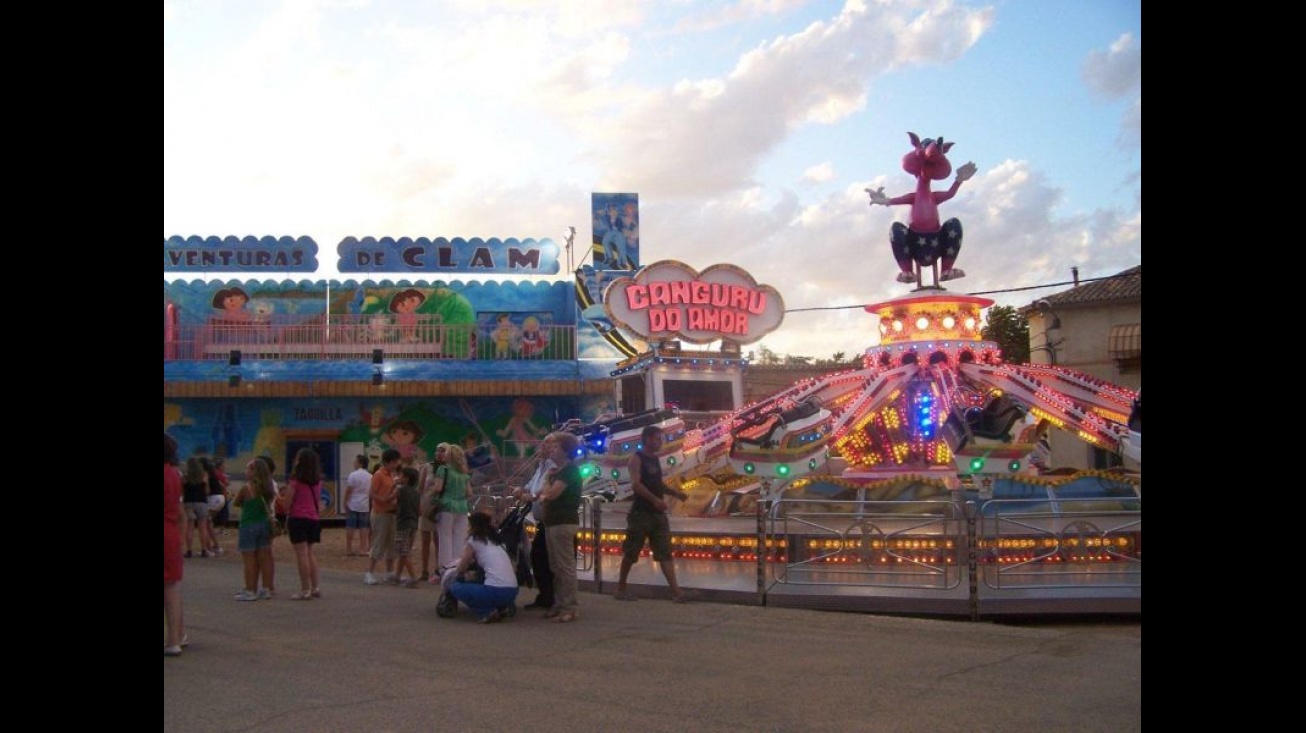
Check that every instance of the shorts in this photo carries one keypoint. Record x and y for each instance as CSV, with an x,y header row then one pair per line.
x,y
383,535
404,542
302,529
196,510
427,525
654,527
254,537
358,520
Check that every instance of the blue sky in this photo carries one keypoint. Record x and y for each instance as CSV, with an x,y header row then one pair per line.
x,y
749,130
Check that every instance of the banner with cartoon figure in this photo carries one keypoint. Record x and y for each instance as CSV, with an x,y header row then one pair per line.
x,y
616,230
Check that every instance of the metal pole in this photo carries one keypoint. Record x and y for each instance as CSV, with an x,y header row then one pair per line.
x,y
763,508
596,523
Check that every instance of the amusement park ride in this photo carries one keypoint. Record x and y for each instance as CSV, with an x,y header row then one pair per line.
x,y
933,398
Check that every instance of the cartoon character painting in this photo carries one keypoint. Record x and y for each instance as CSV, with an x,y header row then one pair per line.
x,y
231,302
520,432
924,241
533,338
404,304
403,436
504,336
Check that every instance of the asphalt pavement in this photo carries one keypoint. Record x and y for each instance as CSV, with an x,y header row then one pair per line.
x,y
378,659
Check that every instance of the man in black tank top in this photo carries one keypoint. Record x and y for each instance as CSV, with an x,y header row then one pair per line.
x,y
647,521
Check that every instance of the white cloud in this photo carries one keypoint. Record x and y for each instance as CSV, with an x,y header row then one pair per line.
x,y
1118,71
736,12
710,134
819,173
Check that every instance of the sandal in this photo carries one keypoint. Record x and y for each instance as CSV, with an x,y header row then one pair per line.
x,y
303,595
565,618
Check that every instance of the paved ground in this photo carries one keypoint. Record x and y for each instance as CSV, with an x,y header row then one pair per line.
x,y
378,659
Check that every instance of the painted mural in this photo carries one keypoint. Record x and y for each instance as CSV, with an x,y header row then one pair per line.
x,y
489,428
615,219
244,302
597,337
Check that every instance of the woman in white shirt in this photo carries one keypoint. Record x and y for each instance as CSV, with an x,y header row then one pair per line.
x,y
493,598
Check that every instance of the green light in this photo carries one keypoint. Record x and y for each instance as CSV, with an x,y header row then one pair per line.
x,y
671,460
1014,466
616,473
976,464
782,469
811,465
749,468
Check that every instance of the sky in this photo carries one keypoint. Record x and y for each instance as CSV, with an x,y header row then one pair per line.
x,y
748,128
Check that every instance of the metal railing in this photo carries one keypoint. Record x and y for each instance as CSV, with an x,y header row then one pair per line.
x,y
400,336
986,558
901,544
1088,543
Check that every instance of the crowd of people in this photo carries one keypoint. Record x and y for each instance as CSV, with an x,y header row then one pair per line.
x,y
390,509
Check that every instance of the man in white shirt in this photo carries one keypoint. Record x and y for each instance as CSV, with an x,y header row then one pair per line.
x,y
539,548
358,507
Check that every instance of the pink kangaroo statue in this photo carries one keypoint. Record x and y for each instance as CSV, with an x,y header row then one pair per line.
x,y
924,241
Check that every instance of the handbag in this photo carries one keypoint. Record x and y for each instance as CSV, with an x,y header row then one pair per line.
x,y
277,529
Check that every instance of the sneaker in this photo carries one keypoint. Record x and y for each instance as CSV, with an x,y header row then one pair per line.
x,y
244,595
264,594
188,554
492,617
172,651
369,579
410,583
204,553
392,579
317,593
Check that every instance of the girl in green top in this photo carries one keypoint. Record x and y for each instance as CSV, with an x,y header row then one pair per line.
x,y
450,485
254,500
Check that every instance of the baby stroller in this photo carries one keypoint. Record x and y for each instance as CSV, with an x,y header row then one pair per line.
x,y
512,534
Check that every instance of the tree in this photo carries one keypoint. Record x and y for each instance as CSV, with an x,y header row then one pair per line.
x,y
1010,330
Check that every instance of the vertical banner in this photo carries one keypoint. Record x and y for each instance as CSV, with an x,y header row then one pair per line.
x,y
616,230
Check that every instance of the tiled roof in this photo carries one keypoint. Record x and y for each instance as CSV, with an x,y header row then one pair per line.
x,y
1122,287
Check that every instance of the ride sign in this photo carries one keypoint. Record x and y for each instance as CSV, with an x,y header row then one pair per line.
x,y
670,299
